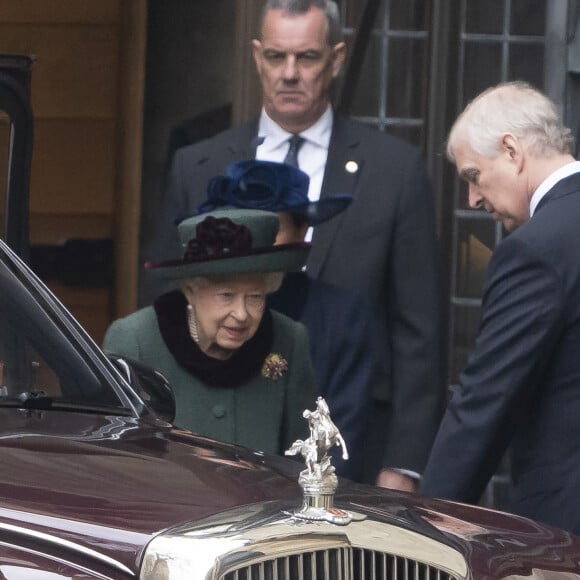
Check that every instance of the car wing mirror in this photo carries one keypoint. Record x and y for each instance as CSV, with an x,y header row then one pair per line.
x,y
150,385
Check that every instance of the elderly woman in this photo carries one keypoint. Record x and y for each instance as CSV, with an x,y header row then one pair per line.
x,y
240,372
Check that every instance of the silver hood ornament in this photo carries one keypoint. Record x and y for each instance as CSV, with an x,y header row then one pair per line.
x,y
318,480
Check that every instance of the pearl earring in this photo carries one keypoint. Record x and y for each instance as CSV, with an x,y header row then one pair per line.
x,y
192,324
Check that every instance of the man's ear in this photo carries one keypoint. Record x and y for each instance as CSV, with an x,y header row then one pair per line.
x,y
339,56
257,53
510,145
513,148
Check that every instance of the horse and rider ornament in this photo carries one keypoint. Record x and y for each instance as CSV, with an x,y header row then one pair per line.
x,y
318,481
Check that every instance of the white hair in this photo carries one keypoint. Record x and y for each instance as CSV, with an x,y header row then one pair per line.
x,y
514,107
271,280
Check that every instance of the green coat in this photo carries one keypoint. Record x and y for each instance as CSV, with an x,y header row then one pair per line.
x,y
261,413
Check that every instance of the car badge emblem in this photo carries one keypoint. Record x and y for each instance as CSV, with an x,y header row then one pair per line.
x,y
318,481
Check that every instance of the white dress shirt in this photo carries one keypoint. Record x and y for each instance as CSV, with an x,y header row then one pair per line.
x,y
312,154
550,181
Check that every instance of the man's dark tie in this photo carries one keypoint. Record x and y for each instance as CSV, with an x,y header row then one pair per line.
x,y
295,142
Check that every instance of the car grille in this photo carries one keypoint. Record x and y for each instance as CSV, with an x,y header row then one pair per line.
x,y
266,542
339,564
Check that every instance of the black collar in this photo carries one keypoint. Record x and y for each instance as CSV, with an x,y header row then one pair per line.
x,y
246,362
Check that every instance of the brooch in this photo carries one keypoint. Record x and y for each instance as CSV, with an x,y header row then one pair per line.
x,y
274,366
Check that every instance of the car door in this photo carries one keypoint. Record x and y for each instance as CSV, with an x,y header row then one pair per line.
x,y
16,141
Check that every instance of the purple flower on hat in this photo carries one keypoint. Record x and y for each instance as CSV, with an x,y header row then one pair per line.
x,y
215,237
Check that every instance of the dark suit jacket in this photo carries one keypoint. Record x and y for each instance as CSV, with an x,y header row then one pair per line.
x,y
341,349
522,382
383,248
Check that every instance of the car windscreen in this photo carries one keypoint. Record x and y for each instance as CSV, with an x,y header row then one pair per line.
x,y
41,366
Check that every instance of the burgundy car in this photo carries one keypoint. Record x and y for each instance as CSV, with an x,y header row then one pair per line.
x,y
96,483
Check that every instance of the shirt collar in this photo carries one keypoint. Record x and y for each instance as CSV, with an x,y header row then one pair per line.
x,y
550,182
274,136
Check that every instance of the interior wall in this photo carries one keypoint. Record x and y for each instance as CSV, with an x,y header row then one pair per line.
x,y
78,100
189,71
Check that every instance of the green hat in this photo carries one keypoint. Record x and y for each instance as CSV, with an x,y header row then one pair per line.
x,y
232,241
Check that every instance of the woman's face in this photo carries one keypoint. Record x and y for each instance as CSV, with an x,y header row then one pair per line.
x,y
228,311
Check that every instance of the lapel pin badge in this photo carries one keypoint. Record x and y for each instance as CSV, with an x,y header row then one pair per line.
x,y
351,166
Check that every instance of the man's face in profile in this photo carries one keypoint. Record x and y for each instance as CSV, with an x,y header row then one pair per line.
x,y
296,66
496,184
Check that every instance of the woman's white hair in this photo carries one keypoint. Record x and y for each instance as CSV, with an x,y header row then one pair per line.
x,y
516,108
272,280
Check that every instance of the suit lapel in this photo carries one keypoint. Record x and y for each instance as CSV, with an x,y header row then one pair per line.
x,y
243,145
570,184
344,167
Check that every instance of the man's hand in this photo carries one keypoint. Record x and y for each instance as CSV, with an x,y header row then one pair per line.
x,y
393,479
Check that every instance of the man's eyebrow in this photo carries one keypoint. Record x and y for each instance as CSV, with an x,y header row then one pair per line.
x,y
298,53
468,174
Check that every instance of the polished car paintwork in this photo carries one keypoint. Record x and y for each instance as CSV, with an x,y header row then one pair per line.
x,y
111,483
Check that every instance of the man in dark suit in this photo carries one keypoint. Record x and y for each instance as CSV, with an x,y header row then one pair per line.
x,y
383,248
521,386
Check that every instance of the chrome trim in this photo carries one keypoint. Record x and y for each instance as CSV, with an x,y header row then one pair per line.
x,y
339,564
254,535
126,369
73,546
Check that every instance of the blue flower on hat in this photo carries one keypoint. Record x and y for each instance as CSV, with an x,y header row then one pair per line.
x,y
259,185
270,186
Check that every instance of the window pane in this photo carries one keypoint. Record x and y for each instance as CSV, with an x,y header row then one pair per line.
x,y
482,68
354,12
476,239
484,17
527,63
22,369
408,78
410,15
528,17
36,353
4,149
367,93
